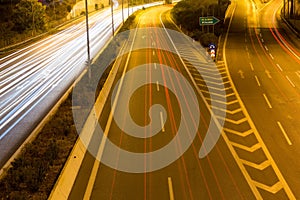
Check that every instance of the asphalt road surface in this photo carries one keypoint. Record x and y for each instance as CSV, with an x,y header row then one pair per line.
x,y
247,162
263,59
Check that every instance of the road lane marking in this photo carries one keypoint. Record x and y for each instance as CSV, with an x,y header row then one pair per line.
x,y
271,56
258,83
268,73
267,100
290,81
251,66
298,73
241,73
162,122
155,66
171,193
153,52
284,133
279,67
157,86
266,48
262,40
95,169
243,169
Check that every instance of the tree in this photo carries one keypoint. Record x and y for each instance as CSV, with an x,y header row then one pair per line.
x,y
29,15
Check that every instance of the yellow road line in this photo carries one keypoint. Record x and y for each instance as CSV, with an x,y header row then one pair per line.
x,y
171,193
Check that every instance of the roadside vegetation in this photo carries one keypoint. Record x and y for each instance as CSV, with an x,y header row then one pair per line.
x,y
34,172
186,14
25,19
22,19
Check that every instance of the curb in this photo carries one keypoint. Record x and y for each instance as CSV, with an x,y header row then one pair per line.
x,y
67,177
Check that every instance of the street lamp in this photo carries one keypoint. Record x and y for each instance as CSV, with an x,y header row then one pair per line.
x,y
87,33
33,25
112,17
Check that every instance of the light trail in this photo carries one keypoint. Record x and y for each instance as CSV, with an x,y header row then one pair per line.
x,y
30,74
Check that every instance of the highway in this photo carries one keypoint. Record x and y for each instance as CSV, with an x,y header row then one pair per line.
x,y
267,80
239,165
34,78
216,176
173,124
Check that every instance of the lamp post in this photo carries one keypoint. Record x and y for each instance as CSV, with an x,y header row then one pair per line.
x,y
123,11
87,33
33,25
112,17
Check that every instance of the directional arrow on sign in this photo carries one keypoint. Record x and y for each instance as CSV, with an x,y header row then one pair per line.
x,y
210,20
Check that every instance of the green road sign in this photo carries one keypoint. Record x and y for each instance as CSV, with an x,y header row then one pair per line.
x,y
210,20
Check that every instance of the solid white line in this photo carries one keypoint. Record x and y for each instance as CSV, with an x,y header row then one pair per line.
x,y
290,81
279,67
258,83
266,48
171,193
157,86
284,133
162,122
267,100
271,56
251,66
96,165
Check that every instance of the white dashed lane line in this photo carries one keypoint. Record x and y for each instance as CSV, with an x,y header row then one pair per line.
x,y
170,185
284,133
290,81
279,67
267,100
162,122
251,66
257,81
266,48
298,73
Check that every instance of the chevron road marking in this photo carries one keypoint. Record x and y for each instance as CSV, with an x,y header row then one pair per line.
x,y
211,82
273,189
232,112
227,103
260,166
249,149
220,89
217,94
254,185
237,122
242,134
